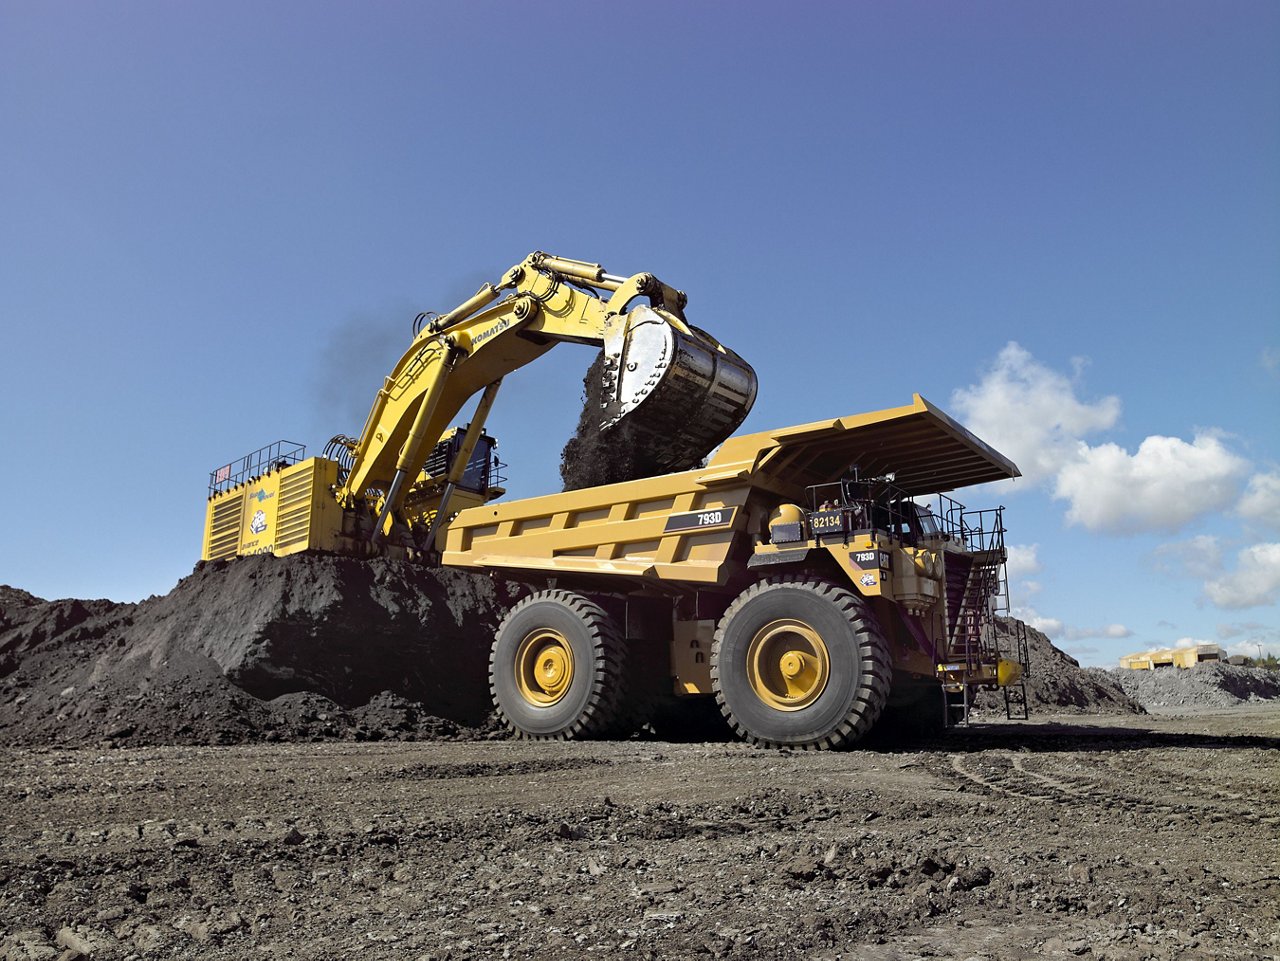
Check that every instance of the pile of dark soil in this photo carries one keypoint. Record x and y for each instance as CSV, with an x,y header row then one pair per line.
x,y
1056,683
1206,686
309,646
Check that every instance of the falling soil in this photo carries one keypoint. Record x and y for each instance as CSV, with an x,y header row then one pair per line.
x,y
592,456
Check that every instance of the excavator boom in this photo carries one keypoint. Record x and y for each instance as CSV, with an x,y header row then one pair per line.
x,y
679,391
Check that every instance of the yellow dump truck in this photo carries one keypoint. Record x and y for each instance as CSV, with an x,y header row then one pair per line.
x,y
796,579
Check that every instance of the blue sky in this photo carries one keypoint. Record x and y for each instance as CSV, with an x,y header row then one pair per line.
x,y
1061,222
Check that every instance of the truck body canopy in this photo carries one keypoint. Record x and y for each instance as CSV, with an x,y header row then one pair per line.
x,y
925,450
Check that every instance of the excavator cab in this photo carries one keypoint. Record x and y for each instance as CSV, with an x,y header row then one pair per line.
x,y
483,471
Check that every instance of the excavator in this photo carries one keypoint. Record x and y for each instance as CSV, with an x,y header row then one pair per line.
x,y
795,583
392,489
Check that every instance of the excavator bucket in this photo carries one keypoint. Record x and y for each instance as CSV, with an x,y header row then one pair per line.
x,y
679,391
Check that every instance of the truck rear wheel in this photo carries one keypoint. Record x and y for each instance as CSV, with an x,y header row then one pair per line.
x,y
556,668
800,662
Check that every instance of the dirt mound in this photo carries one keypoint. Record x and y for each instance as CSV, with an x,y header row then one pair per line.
x,y
1206,686
1057,683
318,647
263,647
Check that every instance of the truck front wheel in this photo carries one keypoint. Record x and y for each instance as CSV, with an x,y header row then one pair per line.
x,y
556,668
800,662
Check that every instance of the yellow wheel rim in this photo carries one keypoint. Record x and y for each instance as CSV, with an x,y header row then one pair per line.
x,y
788,665
544,667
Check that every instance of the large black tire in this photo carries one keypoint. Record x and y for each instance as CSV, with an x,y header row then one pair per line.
x,y
557,668
772,696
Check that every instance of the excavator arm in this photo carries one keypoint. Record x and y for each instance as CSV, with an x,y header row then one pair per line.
x,y
680,390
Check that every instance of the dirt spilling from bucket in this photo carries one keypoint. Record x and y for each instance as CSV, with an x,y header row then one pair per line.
x,y
592,457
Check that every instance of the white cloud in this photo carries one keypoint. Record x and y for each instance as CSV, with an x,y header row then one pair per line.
x,y
1031,413
1113,631
1030,588
1197,557
1023,560
1253,628
1200,556
1050,626
1190,642
1270,359
1254,649
1255,581
1261,500
1255,640
1163,486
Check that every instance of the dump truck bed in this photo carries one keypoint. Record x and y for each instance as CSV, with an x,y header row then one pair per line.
x,y
687,527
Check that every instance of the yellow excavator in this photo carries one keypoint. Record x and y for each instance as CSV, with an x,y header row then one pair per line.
x,y
391,489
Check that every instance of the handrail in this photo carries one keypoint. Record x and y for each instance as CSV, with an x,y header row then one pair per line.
x,y
283,453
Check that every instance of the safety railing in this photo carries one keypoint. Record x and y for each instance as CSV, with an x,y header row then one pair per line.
x,y
281,454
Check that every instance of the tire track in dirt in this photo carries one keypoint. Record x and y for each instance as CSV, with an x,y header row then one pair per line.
x,y
1014,775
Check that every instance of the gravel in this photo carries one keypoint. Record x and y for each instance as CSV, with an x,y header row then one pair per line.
x,y
1132,839
1207,685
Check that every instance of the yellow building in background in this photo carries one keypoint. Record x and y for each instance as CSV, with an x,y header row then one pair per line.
x,y
1171,657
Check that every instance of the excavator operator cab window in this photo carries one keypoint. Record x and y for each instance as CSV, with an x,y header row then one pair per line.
x,y
476,476
479,474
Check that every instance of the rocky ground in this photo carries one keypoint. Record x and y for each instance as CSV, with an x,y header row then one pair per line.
x,y
1126,838
1207,686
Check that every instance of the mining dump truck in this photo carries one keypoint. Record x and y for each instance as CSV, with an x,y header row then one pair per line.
x,y
796,580
799,578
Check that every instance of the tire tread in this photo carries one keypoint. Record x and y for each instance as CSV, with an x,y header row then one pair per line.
x,y
601,716
876,669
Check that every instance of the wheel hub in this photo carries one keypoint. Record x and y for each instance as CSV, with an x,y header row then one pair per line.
x,y
544,667
788,664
